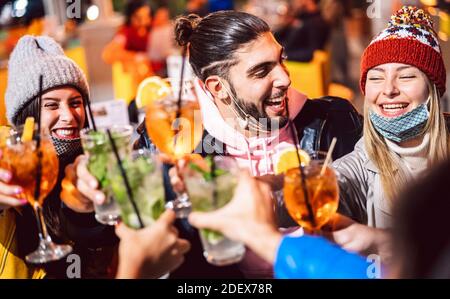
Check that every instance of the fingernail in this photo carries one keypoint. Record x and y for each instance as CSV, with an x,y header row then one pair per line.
x,y
93,184
23,201
6,176
18,190
99,198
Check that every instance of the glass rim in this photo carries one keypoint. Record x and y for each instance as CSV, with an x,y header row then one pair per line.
x,y
317,157
16,131
126,129
21,126
233,167
144,152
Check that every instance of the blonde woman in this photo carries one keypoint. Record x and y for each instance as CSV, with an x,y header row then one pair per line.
x,y
405,132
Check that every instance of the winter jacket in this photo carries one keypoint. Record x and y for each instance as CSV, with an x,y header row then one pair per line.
x,y
361,195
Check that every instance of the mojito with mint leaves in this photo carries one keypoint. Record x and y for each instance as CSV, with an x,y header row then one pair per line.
x,y
146,182
97,146
210,185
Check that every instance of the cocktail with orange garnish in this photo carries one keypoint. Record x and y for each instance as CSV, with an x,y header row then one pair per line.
x,y
321,185
175,128
173,123
21,155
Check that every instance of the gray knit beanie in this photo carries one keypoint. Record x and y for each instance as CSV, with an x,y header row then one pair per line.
x,y
33,56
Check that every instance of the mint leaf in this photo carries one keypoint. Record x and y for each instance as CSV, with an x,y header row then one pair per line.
x,y
220,172
196,168
158,208
213,237
208,176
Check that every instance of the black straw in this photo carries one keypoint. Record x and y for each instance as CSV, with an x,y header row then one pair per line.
x,y
37,187
213,178
125,179
38,120
293,132
180,92
88,105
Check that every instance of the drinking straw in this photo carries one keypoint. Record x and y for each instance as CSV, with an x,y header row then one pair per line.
x,y
38,138
37,189
88,105
125,179
324,167
293,132
213,178
328,158
180,92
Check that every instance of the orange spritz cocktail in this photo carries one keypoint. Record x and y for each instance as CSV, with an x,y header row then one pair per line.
x,y
323,194
175,128
32,160
20,157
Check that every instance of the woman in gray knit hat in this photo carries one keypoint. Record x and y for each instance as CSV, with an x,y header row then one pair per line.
x,y
65,90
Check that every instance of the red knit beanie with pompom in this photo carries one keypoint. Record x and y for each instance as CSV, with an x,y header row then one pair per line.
x,y
409,39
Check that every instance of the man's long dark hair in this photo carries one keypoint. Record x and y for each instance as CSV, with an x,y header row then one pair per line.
x,y
213,40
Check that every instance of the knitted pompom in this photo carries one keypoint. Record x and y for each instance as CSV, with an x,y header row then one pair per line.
x,y
410,15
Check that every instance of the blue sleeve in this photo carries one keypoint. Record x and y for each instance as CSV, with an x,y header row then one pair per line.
x,y
315,257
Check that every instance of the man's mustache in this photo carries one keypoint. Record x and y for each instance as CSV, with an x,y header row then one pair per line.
x,y
279,94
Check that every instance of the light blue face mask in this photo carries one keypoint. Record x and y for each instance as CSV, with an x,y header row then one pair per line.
x,y
403,127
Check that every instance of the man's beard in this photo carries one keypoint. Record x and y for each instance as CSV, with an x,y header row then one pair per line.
x,y
259,114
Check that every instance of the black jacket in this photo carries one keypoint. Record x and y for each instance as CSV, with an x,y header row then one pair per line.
x,y
317,123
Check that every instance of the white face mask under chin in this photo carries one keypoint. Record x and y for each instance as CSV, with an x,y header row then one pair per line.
x,y
247,123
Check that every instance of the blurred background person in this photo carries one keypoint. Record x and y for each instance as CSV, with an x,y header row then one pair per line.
x,y
304,30
130,44
161,43
130,47
198,7
334,13
216,5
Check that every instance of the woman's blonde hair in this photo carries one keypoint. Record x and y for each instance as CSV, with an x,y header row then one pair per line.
x,y
392,176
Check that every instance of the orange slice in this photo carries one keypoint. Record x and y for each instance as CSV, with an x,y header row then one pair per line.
x,y
287,159
151,89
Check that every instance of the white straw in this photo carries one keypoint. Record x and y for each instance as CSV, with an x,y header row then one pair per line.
x,y
328,158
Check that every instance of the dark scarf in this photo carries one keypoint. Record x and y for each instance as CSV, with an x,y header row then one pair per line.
x,y
67,149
